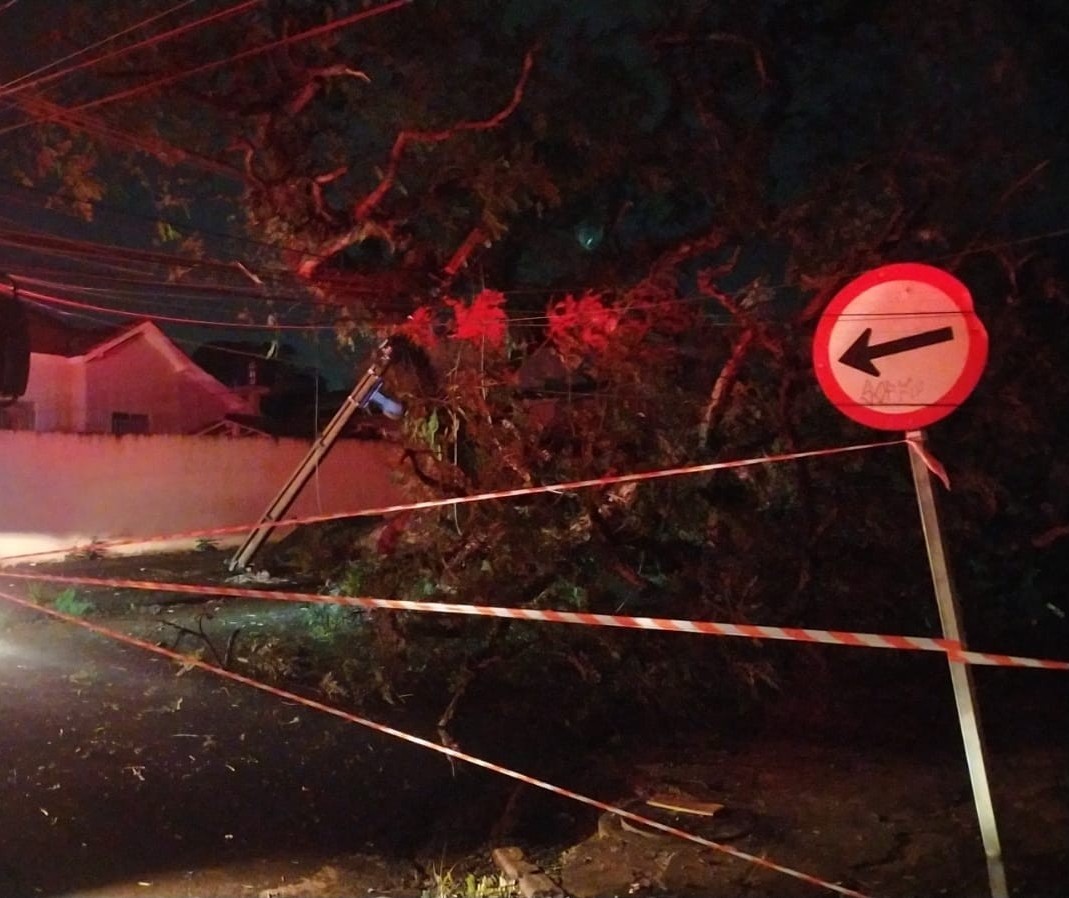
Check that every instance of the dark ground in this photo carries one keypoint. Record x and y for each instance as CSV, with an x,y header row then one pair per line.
x,y
122,777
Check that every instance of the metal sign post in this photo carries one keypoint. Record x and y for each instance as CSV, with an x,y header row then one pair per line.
x,y
899,348
960,673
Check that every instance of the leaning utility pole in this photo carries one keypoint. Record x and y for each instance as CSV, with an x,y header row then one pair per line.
x,y
368,391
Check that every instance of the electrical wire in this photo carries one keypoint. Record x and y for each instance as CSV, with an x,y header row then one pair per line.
x,y
154,146
165,80
134,286
261,270
11,85
26,82
166,153
41,242
14,187
145,307
181,341
107,255
170,319
95,251
327,280
536,322
148,306
38,241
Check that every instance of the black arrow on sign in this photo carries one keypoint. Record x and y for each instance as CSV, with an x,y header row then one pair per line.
x,y
860,354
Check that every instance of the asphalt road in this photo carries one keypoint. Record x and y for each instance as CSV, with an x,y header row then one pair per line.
x,y
120,773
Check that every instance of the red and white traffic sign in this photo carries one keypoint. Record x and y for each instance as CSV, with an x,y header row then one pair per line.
x,y
900,347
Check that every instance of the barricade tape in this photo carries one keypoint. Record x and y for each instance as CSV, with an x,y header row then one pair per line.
x,y
952,648
519,492
190,661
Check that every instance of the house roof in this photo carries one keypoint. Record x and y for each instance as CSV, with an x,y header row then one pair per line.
x,y
179,361
144,329
52,334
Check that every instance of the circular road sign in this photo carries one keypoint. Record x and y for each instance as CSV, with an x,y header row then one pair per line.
x,y
899,347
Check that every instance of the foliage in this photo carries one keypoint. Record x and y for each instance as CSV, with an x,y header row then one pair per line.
x,y
69,602
273,659
66,600
448,885
579,325
483,320
324,622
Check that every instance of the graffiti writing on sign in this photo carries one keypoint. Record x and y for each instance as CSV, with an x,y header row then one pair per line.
x,y
907,391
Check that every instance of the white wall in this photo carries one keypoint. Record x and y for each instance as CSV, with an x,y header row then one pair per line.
x,y
58,490
53,387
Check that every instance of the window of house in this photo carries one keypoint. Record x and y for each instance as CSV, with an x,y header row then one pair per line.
x,y
128,422
18,416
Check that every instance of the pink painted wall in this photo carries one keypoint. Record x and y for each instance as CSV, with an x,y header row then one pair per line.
x,y
57,490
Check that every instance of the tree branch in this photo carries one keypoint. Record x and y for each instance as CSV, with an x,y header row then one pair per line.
x,y
723,37
755,328
363,227
368,205
317,190
459,259
997,208
1048,537
723,386
358,233
314,84
248,152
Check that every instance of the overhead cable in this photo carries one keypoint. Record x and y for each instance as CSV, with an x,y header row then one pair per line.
x,y
165,80
48,299
14,83
26,82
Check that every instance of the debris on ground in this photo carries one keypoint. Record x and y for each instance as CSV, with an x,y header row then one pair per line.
x,y
529,878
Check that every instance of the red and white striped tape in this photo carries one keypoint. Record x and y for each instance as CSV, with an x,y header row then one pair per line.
x,y
189,660
519,492
953,649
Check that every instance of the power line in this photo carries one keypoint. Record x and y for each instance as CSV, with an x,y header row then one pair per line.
x,y
40,108
51,251
338,281
126,213
537,321
132,286
156,293
104,254
154,146
27,81
37,241
280,272
281,314
531,321
154,301
163,81
11,85
170,319
183,341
